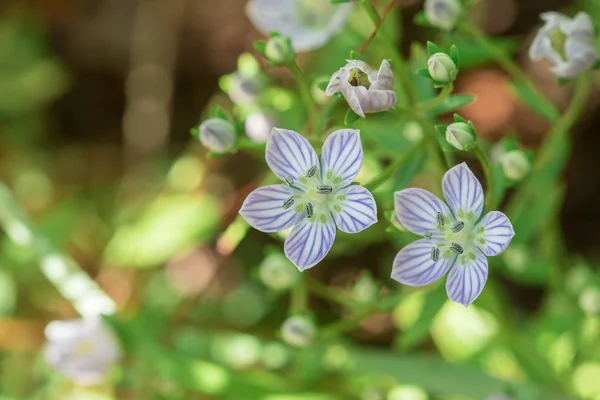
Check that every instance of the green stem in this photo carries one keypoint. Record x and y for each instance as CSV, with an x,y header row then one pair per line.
x,y
391,169
507,63
438,100
299,300
304,88
487,170
329,293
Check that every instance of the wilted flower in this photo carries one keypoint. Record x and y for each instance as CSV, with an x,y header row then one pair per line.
x,y
258,127
460,135
317,197
217,135
455,238
515,164
298,331
366,90
441,68
82,349
310,24
567,43
442,14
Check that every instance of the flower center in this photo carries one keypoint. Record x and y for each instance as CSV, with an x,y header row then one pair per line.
x,y
314,196
358,78
84,348
558,40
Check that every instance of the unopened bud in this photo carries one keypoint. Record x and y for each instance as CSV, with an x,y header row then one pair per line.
x,y
298,331
515,164
442,14
217,135
278,273
441,68
279,50
460,135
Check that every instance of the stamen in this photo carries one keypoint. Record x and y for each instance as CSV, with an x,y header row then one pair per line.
x,y
289,180
440,219
456,248
458,227
427,235
311,172
288,203
324,189
308,210
435,254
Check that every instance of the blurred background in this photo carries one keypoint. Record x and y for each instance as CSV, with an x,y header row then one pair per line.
x,y
97,99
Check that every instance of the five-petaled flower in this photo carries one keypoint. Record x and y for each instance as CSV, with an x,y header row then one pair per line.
x,y
366,89
567,43
317,196
310,24
82,349
455,239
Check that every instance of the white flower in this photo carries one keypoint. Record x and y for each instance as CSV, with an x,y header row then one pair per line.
x,y
258,127
460,135
217,135
366,90
442,14
310,24
567,43
82,349
441,68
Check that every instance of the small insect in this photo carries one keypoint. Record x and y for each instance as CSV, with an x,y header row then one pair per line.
x,y
458,227
324,189
435,254
288,203
440,219
308,210
289,181
427,235
456,248
311,172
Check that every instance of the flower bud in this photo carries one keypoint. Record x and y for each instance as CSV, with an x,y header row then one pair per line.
x,y
365,289
515,164
217,135
279,50
441,68
278,273
460,135
442,14
298,331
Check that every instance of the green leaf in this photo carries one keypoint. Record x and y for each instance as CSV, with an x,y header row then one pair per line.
x,y
424,72
322,85
355,55
432,48
499,183
458,118
422,85
419,331
536,213
341,1
420,19
350,117
454,55
218,112
542,106
260,46
409,170
472,54
452,103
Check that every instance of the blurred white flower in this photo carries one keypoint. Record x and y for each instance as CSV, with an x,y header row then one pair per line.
x,y
258,127
515,164
441,68
298,331
217,135
82,349
442,14
277,272
567,43
366,90
310,24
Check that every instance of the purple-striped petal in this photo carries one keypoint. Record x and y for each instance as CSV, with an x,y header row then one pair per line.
x,y
417,210
463,193
358,211
467,278
289,154
497,232
342,157
310,241
263,209
414,264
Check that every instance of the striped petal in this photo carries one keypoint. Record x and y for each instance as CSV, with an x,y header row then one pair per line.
x,y
497,233
463,192
310,241
289,154
467,278
263,209
342,156
351,93
415,266
417,210
358,211
385,77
